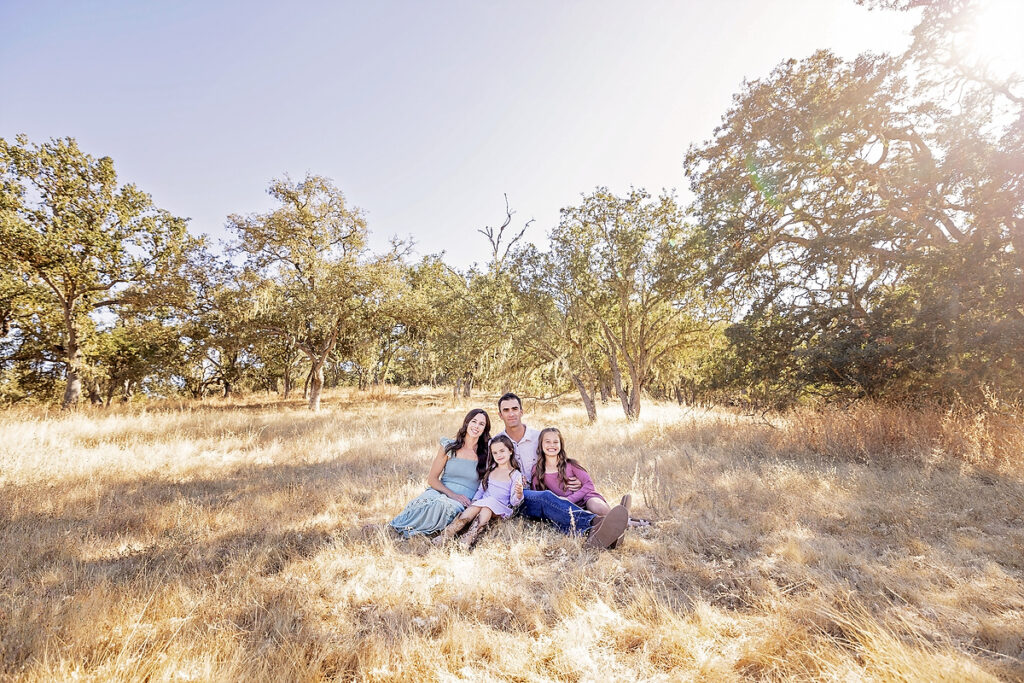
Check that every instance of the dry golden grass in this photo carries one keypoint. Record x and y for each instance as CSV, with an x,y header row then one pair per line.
x,y
226,541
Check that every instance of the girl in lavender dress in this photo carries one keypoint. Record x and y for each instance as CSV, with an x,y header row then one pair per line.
x,y
501,490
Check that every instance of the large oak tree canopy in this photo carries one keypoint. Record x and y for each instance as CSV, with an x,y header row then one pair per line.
x,y
81,242
868,216
304,267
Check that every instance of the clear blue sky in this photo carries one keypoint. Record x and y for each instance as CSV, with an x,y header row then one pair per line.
x,y
424,113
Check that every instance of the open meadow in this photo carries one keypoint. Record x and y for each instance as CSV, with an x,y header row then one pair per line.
x,y
243,540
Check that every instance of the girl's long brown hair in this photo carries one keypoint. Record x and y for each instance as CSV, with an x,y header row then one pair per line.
x,y
563,460
492,465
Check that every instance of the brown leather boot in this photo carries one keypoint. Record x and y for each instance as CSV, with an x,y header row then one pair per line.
x,y
626,502
608,530
457,525
475,530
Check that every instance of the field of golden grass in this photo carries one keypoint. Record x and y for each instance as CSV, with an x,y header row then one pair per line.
x,y
244,541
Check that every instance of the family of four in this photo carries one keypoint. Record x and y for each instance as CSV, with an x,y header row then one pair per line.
x,y
475,477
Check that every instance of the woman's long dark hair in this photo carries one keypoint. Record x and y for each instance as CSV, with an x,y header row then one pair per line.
x,y
481,443
563,460
492,465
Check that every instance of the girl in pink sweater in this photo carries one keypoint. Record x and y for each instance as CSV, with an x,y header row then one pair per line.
x,y
554,468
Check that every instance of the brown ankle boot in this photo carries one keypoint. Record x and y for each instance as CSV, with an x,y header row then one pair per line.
x,y
471,536
626,502
608,530
457,525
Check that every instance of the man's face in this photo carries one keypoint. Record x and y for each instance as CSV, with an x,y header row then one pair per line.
x,y
511,413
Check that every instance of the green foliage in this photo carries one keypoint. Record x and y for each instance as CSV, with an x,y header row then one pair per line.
x,y
870,230
217,341
135,353
623,285
306,278
417,343
856,231
79,242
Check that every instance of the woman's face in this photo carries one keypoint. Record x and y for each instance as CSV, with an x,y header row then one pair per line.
x,y
476,426
500,453
551,444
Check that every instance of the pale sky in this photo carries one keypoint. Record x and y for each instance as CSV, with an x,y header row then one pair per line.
x,y
423,113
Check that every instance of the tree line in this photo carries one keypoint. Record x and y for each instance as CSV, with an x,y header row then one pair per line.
x,y
856,230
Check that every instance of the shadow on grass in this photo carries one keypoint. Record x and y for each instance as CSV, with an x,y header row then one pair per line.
x,y
253,522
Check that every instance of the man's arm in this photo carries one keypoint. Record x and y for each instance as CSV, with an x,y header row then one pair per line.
x,y
586,485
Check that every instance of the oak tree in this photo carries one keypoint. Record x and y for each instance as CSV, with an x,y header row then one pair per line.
x,y
305,268
86,243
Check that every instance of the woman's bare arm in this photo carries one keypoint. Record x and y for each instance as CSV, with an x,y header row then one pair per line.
x,y
434,477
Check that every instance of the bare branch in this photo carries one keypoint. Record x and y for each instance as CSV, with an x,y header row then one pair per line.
x,y
495,236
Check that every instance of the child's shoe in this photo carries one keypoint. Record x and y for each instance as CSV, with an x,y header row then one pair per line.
x,y
457,525
471,536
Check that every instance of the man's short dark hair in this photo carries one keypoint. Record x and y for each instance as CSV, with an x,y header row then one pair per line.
x,y
509,396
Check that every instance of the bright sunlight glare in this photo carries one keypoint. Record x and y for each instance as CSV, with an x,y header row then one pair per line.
x,y
995,36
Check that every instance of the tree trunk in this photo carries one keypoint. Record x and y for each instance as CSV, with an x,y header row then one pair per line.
x,y
95,397
73,358
316,386
633,413
467,387
605,392
289,355
457,389
621,392
384,368
588,399
227,389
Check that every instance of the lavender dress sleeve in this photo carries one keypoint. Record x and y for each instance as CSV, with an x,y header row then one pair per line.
x,y
587,484
479,492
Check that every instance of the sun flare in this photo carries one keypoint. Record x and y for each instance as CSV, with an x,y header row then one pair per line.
x,y
995,35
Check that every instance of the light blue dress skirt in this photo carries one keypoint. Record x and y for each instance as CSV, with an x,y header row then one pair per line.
x,y
432,510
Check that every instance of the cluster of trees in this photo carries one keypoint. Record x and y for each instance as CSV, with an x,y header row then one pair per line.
x,y
868,217
856,230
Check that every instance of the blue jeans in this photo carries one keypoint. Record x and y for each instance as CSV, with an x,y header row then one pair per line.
x,y
547,507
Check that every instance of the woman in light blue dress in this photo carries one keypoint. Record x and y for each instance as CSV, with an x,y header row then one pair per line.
x,y
453,479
